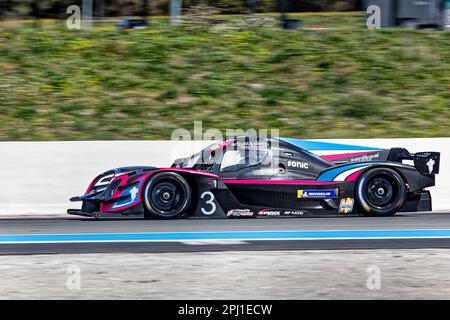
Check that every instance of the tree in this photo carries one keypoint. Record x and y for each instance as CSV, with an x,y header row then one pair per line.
x,y
99,8
251,6
35,10
145,8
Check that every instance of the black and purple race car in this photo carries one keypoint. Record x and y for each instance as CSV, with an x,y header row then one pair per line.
x,y
249,177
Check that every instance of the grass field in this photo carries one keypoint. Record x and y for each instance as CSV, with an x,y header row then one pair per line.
x,y
341,82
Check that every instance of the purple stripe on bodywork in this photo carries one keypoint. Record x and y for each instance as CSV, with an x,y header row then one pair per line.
x,y
332,157
189,171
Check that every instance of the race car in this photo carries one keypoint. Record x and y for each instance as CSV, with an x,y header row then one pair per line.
x,y
268,177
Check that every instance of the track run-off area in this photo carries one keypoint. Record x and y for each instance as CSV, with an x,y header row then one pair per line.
x,y
38,235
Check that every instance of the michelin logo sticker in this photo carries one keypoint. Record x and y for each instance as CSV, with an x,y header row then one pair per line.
x,y
316,194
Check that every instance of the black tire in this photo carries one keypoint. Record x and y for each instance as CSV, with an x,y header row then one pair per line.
x,y
380,192
166,196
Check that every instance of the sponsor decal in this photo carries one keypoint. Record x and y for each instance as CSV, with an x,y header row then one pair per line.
x,y
427,162
316,194
271,213
294,213
346,205
252,144
423,154
366,157
298,164
133,193
239,213
430,165
131,196
276,213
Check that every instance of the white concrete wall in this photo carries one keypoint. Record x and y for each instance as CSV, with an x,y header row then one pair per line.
x,y
40,177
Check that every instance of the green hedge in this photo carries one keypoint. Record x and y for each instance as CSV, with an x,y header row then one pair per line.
x,y
105,84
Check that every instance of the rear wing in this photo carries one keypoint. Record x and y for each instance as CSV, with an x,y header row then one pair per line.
x,y
424,162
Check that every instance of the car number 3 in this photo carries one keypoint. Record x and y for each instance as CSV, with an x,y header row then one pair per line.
x,y
209,202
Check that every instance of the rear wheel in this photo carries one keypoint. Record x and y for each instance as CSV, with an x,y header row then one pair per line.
x,y
166,196
380,192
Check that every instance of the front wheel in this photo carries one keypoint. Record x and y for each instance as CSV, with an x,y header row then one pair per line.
x,y
166,196
380,192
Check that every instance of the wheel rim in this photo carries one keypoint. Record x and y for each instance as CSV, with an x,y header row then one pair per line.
x,y
380,191
167,196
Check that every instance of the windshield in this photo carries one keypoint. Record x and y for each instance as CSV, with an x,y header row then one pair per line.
x,y
206,156
234,157
190,162
234,160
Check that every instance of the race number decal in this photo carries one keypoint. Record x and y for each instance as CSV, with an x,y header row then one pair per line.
x,y
208,203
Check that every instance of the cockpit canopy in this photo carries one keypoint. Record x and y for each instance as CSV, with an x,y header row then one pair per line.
x,y
252,158
232,155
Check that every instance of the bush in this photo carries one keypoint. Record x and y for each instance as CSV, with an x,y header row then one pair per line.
x,y
142,84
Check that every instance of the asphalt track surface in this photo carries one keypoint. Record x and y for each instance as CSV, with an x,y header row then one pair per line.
x,y
84,235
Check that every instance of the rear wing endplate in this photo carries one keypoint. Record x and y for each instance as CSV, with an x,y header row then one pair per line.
x,y
427,162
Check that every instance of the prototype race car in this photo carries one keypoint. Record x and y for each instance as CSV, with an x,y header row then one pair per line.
x,y
246,177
